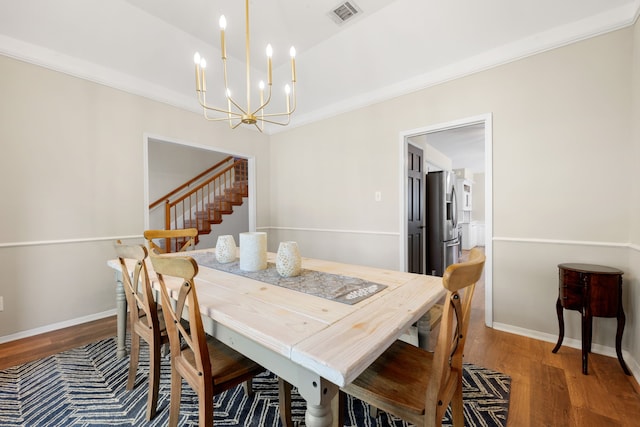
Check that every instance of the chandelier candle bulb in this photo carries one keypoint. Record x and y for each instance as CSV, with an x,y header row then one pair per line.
x,y
203,82
223,25
292,52
287,91
196,59
269,56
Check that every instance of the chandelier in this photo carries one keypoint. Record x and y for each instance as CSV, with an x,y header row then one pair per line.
x,y
234,113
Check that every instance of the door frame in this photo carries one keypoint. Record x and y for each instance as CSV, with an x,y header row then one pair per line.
x,y
251,164
487,120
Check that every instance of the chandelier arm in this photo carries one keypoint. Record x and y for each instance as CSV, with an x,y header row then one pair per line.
x,y
293,95
278,123
242,111
284,113
215,119
236,125
265,103
202,102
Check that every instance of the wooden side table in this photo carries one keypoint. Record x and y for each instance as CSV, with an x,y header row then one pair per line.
x,y
595,291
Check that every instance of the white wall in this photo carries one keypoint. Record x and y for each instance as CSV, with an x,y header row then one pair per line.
x,y
171,165
562,172
73,182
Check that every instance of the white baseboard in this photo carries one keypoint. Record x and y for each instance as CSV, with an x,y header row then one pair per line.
x,y
631,363
56,326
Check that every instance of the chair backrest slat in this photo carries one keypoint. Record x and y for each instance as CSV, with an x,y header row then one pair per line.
x,y
183,269
184,238
137,286
460,281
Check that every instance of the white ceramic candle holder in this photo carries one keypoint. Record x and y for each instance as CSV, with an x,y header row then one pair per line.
x,y
226,249
253,251
288,260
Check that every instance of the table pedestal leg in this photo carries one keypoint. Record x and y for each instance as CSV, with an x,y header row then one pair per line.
x,y
560,314
121,318
318,393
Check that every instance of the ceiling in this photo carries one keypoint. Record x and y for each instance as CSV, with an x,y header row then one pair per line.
x,y
392,47
463,145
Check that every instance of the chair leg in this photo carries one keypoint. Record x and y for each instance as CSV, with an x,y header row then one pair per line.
x,y
342,404
205,403
373,411
284,402
176,393
133,360
154,381
457,408
248,388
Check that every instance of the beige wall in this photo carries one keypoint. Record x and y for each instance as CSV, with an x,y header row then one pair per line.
x,y
562,172
73,181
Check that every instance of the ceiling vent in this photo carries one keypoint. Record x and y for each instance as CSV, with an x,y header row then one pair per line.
x,y
344,12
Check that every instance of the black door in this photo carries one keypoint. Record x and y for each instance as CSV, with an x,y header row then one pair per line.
x,y
415,210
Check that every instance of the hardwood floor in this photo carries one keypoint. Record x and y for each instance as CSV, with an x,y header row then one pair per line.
x,y
547,389
34,348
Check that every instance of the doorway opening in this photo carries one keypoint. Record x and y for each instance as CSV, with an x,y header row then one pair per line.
x,y
168,163
444,149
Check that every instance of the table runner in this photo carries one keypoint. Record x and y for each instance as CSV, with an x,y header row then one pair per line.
x,y
335,287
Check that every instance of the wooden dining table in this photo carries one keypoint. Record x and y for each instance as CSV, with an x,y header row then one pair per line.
x,y
316,344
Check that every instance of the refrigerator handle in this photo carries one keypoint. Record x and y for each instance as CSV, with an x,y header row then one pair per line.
x,y
454,207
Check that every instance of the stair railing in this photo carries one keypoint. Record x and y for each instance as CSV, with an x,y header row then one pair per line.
x,y
177,190
203,197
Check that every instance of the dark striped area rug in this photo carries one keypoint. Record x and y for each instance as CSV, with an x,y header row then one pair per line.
x,y
86,387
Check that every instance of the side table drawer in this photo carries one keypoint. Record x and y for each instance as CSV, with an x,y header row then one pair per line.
x,y
572,291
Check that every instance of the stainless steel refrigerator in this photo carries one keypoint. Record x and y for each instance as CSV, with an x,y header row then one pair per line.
x,y
443,239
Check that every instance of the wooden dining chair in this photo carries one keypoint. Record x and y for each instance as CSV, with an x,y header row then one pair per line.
x,y
145,318
207,365
178,240
414,384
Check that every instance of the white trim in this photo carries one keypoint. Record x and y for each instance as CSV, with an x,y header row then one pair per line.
x,y
80,68
630,361
487,120
329,230
67,241
566,242
56,326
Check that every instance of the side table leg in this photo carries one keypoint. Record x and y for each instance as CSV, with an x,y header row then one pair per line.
x,y
620,330
586,342
560,325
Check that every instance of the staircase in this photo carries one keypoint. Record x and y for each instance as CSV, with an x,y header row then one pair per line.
x,y
206,198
